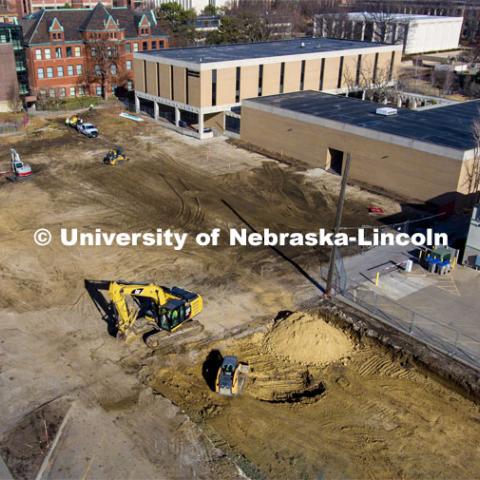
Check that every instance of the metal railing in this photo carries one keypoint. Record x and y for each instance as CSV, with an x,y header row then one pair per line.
x,y
433,332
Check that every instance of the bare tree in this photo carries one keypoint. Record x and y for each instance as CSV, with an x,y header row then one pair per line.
x,y
473,170
102,66
15,103
376,86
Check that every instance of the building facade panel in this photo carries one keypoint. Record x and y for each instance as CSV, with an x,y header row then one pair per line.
x,y
151,78
226,80
400,170
312,74
292,76
206,88
331,73
349,71
139,74
193,89
165,80
248,82
179,84
271,79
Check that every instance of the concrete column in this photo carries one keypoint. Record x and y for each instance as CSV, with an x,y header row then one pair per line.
x,y
362,36
155,110
137,104
200,126
177,116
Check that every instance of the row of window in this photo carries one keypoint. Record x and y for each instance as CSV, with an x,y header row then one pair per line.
x,y
49,71
301,85
46,53
68,52
77,91
76,70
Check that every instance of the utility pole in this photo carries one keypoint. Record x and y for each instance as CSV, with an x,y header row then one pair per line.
x,y
338,222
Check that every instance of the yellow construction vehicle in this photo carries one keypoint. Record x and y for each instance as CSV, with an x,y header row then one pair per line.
x,y
73,121
231,376
145,308
115,156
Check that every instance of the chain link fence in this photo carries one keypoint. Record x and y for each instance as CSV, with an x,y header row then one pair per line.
x,y
444,337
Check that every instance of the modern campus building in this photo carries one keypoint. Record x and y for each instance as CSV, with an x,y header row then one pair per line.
x,y
425,155
417,33
200,84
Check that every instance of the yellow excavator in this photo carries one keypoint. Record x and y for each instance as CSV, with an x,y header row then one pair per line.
x,y
144,308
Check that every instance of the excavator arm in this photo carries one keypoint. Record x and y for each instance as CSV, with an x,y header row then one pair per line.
x,y
160,307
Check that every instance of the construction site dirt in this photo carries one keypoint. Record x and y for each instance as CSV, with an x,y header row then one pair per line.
x,y
317,401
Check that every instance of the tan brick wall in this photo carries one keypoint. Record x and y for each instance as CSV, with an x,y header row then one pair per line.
x,y
206,88
179,84
330,75
271,79
194,91
139,74
165,81
399,170
312,75
214,120
152,78
226,86
349,71
248,82
292,77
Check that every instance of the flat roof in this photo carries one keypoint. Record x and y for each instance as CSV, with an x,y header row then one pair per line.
x,y
401,17
243,51
448,126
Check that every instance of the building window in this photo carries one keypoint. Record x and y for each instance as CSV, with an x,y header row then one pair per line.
x,y
77,51
161,44
68,52
340,73
40,73
282,76
302,75
47,54
81,91
375,65
93,52
72,91
128,64
98,91
144,45
390,69
135,47
43,93
51,92
214,87
62,92
260,80
154,45
38,54
79,69
322,73
237,85
129,85
60,71
49,72
58,52
113,69
359,70
128,48
69,70
97,69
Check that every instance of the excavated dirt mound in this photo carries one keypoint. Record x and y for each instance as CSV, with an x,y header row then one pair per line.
x,y
307,339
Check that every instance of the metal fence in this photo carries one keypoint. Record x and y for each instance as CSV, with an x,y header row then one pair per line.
x,y
444,337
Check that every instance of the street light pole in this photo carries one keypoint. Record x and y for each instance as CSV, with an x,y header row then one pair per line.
x,y
338,222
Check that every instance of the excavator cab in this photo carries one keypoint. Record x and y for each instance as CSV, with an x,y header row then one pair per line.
x,y
115,156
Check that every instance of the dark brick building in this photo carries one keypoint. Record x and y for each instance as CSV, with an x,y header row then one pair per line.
x,y
73,52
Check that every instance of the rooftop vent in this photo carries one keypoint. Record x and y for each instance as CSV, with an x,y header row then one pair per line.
x,y
386,111
302,45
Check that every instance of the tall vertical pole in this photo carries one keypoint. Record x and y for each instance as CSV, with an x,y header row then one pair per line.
x,y
338,222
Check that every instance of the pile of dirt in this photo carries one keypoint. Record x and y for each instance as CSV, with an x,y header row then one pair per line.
x,y
307,339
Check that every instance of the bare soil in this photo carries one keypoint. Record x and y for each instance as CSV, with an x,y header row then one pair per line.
x,y
362,409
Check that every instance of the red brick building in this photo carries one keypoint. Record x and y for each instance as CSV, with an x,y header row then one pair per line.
x,y
72,52
13,10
